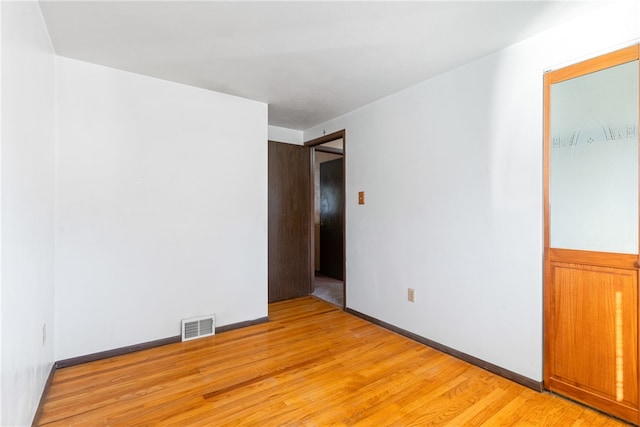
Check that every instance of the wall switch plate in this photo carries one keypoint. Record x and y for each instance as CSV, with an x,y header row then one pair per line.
x,y
361,197
411,295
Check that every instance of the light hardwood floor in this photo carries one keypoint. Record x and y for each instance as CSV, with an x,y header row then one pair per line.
x,y
311,365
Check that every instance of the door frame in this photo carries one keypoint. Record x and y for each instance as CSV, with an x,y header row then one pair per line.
x,y
341,134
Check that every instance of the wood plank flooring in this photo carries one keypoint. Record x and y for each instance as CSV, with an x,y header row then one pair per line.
x,y
311,365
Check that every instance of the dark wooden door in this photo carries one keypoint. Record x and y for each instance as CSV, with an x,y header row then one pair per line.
x,y
332,218
289,215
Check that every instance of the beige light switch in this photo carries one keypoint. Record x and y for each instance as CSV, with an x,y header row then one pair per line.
x,y
361,197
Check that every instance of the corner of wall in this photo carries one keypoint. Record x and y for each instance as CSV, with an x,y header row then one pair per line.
x,y
26,232
1,127
290,136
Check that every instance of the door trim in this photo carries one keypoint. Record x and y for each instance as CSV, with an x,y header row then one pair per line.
x,y
313,143
601,259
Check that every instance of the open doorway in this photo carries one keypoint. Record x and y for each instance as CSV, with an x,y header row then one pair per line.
x,y
328,196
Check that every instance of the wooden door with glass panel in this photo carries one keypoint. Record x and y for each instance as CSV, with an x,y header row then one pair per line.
x,y
591,232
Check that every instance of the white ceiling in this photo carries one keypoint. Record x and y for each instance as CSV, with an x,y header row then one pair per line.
x,y
310,61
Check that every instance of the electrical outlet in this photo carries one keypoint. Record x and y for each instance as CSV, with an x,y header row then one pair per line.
x,y
44,334
411,295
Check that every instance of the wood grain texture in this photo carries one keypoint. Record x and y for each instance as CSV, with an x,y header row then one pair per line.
x,y
598,63
594,350
45,392
602,259
590,298
311,365
290,251
340,134
505,373
116,352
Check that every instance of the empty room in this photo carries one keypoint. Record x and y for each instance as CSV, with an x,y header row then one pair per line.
x,y
315,213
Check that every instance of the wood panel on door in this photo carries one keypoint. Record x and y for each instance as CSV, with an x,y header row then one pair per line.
x,y
594,344
591,233
289,212
332,218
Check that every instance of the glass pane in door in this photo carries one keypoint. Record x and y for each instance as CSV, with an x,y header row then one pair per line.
x,y
593,178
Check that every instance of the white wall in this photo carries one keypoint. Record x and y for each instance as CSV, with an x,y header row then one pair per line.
x,y
161,208
452,170
26,209
290,136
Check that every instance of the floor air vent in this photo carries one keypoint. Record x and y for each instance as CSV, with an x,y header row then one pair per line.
x,y
198,327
